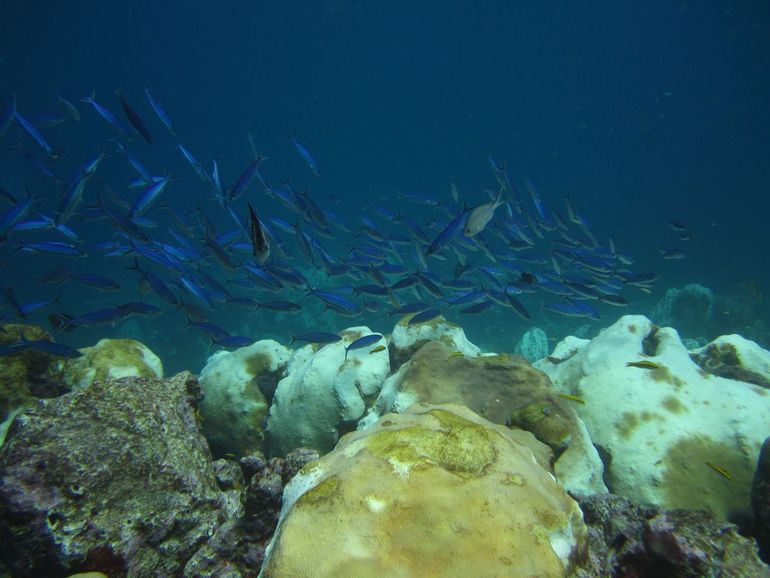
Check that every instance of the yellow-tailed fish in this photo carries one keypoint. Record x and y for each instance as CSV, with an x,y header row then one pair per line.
x,y
644,364
456,354
378,349
721,471
571,397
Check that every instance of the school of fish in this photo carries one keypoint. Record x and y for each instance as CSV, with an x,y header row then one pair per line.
x,y
260,244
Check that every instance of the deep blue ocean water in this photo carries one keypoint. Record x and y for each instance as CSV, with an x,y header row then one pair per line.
x,y
639,114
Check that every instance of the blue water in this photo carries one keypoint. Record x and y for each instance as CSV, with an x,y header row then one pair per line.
x,y
639,115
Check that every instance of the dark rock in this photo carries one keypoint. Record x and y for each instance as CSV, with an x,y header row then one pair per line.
x,y
263,494
29,374
252,464
115,478
238,547
229,475
760,501
630,541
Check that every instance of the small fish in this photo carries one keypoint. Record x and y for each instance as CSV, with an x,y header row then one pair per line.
x,y
232,341
671,254
107,115
617,300
644,364
7,117
478,307
287,306
481,215
378,349
260,244
160,111
36,135
51,248
424,316
318,337
456,354
447,234
70,108
48,347
306,156
194,163
721,471
244,180
134,118
148,196
572,398
678,226
361,342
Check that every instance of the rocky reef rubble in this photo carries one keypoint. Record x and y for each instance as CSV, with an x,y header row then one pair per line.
x,y
116,477
430,445
626,540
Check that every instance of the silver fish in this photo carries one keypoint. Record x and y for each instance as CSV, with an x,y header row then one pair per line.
x,y
481,215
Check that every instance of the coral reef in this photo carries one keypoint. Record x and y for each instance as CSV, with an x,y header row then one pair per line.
x,y
533,345
435,491
407,339
324,393
673,434
689,309
503,389
237,386
112,359
733,357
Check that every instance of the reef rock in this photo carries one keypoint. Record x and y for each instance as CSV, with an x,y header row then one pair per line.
x,y
734,357
407,339
325,393
533,345
112,359
25,376
237,386
760,501
674,435
237,549
435,491
113,477
625,539
688,309
503,389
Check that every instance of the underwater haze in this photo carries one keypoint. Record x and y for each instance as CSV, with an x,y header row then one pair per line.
x,y
604,152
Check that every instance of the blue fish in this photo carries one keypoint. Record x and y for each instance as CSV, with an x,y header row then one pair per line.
x,y
36,135
448,233
107,115
134,118
148,197
423,316
317,337
287,306
362,342
11,217
47,347
69,107
96,281
306,156
160,111
244,180
68,322
51,248
194,163
7,116
232,341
